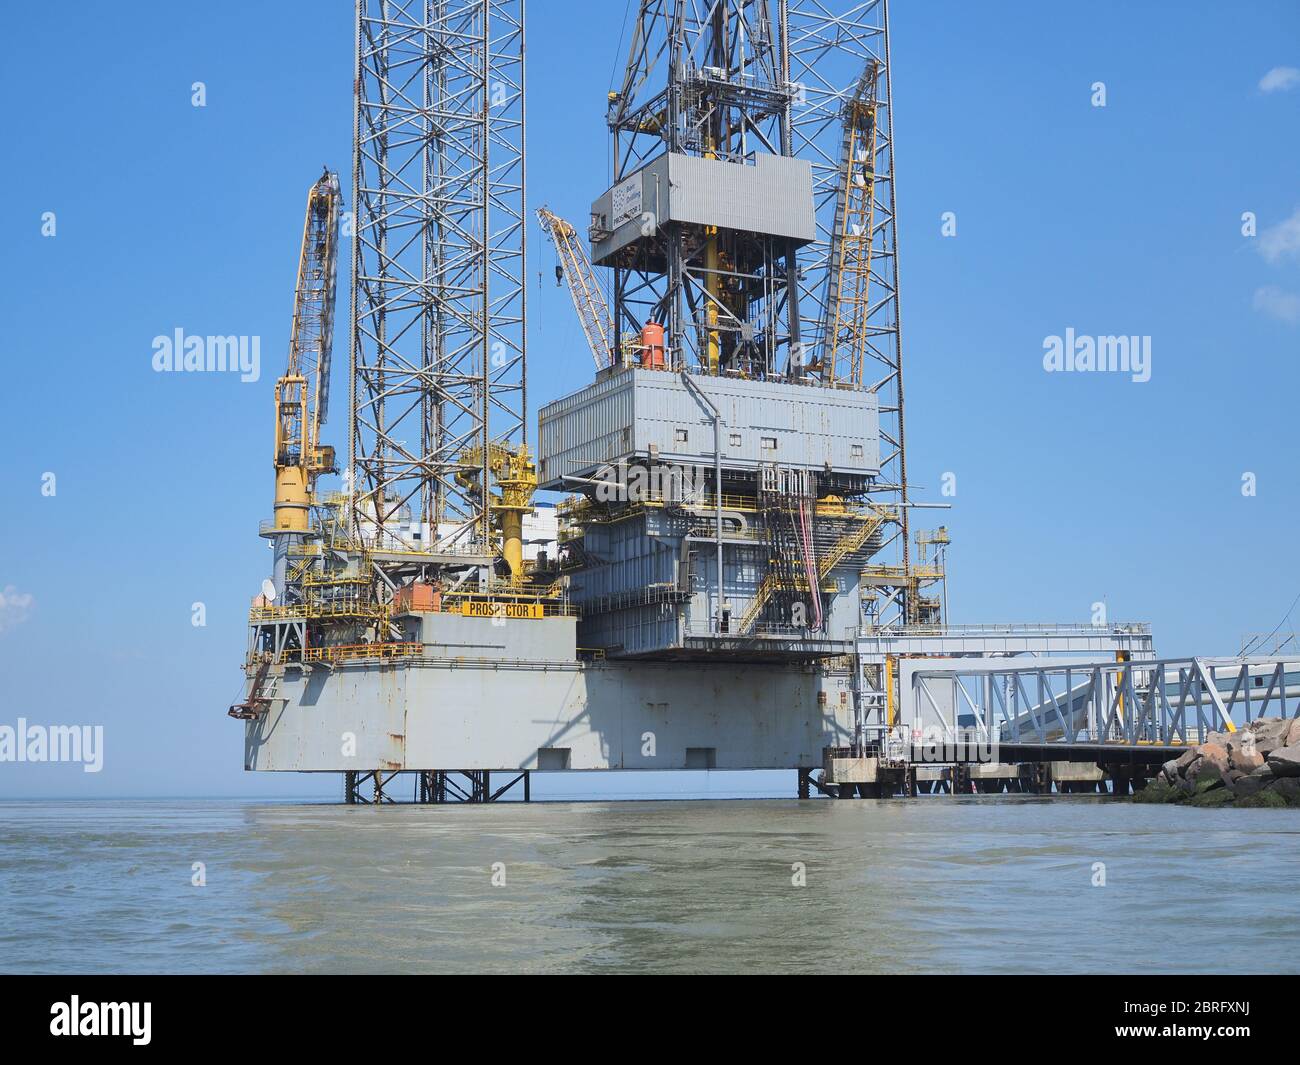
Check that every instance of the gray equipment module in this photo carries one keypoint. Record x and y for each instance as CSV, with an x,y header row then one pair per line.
x,y
635,414
773,197
685,474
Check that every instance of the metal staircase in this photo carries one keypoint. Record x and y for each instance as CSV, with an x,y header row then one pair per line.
x,y
260,693
780,577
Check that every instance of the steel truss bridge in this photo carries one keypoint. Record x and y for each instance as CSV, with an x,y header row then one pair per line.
x,y
1071,709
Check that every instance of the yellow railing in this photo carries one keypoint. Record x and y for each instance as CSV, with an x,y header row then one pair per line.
x,y
363,651
897,573
350,608
333,581
551,608
580,511
263,614
853,541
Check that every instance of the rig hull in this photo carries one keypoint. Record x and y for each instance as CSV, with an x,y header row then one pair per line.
x,y
485,696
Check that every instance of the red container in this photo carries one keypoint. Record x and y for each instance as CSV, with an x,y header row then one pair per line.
x,y
652,346
417,599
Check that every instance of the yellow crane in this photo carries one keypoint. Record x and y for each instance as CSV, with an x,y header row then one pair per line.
x,y
302,394
848,305
301,405
588,299
516,476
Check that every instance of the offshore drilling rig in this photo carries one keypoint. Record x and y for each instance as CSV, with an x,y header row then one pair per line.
x,y
727,581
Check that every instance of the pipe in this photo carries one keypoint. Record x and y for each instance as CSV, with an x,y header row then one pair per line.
x,y
512,541
695,390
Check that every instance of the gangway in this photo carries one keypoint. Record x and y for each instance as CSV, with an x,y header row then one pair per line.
x,y
1059,702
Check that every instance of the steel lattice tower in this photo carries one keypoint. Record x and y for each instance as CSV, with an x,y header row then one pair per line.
x,y
706,78
803,78
830,52
438,301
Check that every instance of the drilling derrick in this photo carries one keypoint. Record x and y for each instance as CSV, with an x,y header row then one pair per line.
x,y
743,491
438,303
705,106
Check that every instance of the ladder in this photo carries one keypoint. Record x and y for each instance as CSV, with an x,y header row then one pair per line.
x,y
260,692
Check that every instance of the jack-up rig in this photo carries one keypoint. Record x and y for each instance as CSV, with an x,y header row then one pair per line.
x,y
731,580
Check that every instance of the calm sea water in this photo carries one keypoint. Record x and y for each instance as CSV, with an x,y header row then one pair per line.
x,y
932,884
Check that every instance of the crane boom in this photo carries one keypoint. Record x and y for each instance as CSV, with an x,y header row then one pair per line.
x,y
588,299
302,394
848,307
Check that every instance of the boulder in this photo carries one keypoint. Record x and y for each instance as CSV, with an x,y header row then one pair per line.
x,y
1212,797
1158,791
1244,787
1270,733
1239,739
1285,761
1214,759
1211,778
1258,766
1270,728
1288,788
1245,759
1261,800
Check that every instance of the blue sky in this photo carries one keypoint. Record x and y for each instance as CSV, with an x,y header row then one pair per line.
x,y
1070,488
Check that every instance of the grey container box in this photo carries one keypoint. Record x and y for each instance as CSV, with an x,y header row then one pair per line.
x,y
774,196
632,413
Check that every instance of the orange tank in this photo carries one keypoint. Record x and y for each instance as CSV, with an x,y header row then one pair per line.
x,y
652,346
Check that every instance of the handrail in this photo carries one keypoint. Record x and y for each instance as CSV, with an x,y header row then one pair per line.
x,y
1015,629
356,652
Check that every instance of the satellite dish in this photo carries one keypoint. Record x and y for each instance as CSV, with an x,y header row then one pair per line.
x,y
268,590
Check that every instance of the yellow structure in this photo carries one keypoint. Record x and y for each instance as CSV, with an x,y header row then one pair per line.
x,y
847,333
301,395
515,474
